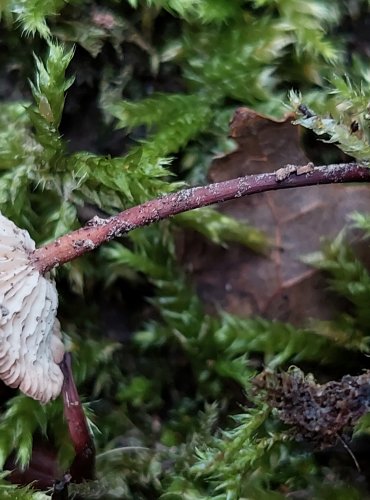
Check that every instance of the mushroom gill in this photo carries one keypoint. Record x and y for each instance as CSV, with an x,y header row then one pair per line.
x,y
30,337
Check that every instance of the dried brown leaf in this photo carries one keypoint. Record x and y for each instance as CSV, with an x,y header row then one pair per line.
x,y
277,285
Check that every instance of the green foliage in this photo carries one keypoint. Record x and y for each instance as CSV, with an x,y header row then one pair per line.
x,y
348,104
338,134
222,343
32,15
51,84
218,463
176,118
167,376
221,228
22,418
348,277
48,92
362,221
248,74
308,21
15,492
76,177
206,11
244,66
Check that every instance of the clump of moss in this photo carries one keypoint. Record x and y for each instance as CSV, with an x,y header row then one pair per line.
x,y
129,100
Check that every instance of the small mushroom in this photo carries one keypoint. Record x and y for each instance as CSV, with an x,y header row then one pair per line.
x,y
30,338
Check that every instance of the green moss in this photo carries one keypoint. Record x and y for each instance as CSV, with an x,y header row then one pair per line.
x,y
168,386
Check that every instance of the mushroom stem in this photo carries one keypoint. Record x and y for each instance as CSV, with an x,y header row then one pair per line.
x,y
98,231
84,463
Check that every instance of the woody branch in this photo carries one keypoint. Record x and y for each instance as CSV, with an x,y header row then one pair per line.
x,y
98,231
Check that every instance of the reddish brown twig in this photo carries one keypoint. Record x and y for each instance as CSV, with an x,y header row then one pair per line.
x,y
84,462
98,231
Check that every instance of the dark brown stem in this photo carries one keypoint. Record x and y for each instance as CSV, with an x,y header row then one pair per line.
x,y
98,231
84,462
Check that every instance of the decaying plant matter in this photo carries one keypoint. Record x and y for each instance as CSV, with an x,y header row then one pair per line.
x,y
318,413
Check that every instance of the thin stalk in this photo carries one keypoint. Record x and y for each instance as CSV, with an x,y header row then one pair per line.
x,y
98,231
83,465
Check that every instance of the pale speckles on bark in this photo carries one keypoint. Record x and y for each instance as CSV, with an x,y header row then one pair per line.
x,y
96,221
99,230
87,244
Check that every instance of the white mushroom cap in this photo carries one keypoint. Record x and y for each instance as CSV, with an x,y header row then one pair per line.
x,y
30,337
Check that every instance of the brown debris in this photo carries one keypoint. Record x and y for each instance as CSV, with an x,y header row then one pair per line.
x,y
321,414
276,285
